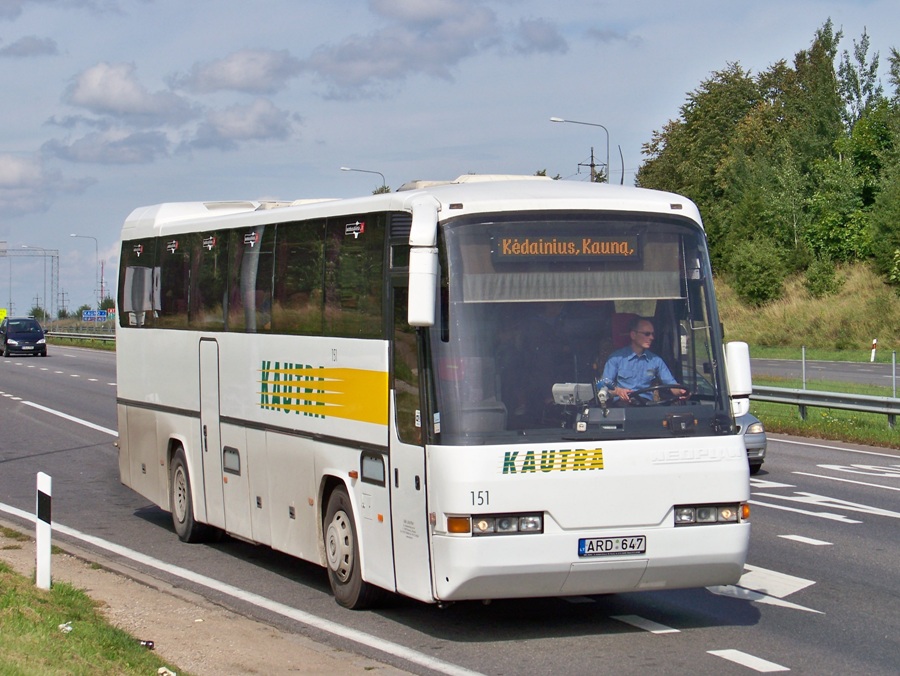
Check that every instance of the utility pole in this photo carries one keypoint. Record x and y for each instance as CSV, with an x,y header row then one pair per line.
x,y
593,165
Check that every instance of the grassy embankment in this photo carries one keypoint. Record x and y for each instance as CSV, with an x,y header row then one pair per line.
x,y
840,327
61,631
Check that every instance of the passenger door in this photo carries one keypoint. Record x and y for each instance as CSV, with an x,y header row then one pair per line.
x,y
210,433
409,500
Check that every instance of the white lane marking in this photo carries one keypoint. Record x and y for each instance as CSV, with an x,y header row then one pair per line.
x,y
821,515
766,586
772,582
66,416
645,624
833,448
889,471
805,540
835,503
848,481
749,595
763,483
308,619
74,375
750,661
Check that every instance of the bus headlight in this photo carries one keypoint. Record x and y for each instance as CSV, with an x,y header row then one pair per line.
x,y
496,524
696,515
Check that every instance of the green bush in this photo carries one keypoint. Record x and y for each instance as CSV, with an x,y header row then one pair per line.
x,y
822,279
758,272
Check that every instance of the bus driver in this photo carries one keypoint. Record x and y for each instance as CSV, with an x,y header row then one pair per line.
x,y
634,367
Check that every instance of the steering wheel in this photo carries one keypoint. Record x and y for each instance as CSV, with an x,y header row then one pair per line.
x,y
636,400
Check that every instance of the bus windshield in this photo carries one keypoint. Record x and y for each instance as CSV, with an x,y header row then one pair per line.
x,y
532,308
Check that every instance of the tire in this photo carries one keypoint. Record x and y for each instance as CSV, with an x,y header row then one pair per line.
x,y
181,500
5,351
754,469
342,555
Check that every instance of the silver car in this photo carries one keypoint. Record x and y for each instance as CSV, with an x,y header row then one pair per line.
x,y
755,440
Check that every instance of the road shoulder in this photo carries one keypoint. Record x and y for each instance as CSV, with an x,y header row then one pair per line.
x,y
187,629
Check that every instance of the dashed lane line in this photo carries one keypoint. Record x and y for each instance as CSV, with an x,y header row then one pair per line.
x,y
806,541
747,660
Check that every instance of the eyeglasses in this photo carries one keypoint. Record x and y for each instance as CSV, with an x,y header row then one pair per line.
x,y
649,334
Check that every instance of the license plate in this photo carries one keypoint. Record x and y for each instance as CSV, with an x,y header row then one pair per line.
x,y
28,347
629,544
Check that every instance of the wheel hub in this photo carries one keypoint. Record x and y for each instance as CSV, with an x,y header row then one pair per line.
x,y
339,546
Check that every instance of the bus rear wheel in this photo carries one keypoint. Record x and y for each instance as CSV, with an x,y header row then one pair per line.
x,y
181,502
342,554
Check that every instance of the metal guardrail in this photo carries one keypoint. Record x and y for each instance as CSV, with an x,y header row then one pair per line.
x,y
83,335
863,403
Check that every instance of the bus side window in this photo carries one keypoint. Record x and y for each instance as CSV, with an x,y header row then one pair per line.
x,y
354,265
298,294
138,280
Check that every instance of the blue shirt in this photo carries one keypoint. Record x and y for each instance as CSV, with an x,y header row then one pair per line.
x,y
633,371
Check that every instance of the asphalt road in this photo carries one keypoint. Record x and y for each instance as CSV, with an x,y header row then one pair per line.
x,y
821,591
851,372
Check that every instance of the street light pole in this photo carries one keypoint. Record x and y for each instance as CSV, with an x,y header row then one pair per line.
x,y
96,267
369,171
590,124
44,256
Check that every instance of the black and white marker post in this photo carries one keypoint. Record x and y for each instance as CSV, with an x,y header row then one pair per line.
x,y
43,531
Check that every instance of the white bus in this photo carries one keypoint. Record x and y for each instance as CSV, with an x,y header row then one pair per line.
x,y
405,388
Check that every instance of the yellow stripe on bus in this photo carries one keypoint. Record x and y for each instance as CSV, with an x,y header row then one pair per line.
x,y
351,394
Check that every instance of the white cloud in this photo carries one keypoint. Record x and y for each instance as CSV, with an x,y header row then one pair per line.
x,y
112,89
259,121
420,11
28,185
115,146
30,46
256,71
425,36
17,171
539,35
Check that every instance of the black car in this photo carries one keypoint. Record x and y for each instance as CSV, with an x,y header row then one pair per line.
x,y
22,335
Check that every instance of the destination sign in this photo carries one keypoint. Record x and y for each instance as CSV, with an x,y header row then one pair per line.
x,y
510,248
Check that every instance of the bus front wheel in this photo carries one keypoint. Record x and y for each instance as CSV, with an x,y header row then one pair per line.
x,y
342,554
180,500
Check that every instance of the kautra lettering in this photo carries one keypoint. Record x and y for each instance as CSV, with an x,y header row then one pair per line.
x,y
532,462
282,387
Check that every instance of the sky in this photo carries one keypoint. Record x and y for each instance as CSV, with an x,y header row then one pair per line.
x,y
108,105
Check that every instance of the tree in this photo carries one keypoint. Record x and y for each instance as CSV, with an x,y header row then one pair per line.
x,y
107,303
758,272
38,313
858,83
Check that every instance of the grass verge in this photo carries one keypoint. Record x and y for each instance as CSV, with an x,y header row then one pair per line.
x,y
61,631
871,429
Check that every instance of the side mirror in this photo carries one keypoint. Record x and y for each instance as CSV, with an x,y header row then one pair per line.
x,y
423,260
740,382
423,280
